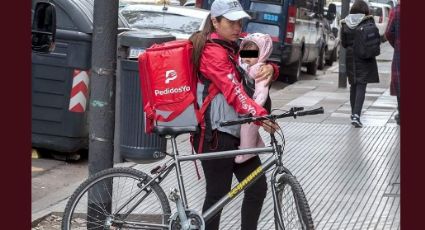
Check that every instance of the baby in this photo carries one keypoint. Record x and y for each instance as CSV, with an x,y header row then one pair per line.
x,y
250,137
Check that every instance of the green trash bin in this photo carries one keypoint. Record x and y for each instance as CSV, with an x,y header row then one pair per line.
x,y
135,144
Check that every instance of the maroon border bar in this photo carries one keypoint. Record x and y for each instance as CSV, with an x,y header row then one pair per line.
x,y
412,82
15,115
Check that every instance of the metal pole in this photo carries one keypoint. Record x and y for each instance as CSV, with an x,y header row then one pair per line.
x,y
102,101
102,87
342,80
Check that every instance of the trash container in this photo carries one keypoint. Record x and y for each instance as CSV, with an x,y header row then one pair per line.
x,y
135,144
59,118
60,80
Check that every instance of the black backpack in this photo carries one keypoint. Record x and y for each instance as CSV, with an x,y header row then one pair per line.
x,y
367,40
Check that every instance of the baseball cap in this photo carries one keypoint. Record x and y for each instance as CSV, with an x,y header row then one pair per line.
x,y
230,9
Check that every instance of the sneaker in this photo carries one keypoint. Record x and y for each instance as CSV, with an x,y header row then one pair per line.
x,y
355,121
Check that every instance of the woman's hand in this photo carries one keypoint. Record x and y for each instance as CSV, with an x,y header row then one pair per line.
x,y
270,126
265,73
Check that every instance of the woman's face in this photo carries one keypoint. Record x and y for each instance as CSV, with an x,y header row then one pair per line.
x,y
229,30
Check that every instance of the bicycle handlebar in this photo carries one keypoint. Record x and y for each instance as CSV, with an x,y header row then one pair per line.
x,y
293,112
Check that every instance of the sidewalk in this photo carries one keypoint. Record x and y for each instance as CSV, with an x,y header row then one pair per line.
x,y
350,176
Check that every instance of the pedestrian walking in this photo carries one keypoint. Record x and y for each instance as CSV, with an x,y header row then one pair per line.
x,y
392,34
263,44
360,70
215,56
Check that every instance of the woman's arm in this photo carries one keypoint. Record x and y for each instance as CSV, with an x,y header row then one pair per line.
x,y
268,72
216,66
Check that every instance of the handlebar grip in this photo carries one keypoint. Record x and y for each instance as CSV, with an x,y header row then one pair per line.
x,y
229,123
311,112
241,121
295,109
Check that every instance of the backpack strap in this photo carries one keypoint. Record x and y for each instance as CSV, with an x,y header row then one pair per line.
x,y
209,93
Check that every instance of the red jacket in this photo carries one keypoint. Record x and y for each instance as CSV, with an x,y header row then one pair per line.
x,y
216,66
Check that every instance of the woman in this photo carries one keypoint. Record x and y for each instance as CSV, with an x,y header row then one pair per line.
x,y
359,71
392,34
215,54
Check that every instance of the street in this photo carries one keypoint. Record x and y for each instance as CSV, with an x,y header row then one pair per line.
x,y
350,176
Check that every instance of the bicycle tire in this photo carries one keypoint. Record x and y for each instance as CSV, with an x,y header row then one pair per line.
x,y
295,210
107,203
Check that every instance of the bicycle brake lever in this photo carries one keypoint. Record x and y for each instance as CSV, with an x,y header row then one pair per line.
x,y
157,169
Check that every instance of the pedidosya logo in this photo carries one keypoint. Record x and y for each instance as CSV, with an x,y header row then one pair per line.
x,y
166,91
171,75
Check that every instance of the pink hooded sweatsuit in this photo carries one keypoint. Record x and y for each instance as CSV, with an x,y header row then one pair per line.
x,y
250,137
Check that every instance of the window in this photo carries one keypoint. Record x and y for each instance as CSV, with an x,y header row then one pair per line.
x,y
163,21
271,8
254,27
280,2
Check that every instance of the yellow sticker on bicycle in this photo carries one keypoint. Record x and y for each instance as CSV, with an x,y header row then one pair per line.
x,y
236,190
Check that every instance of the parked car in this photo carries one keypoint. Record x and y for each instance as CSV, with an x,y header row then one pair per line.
x,y
190,3
392,3
296,29
381,13
177,20
124,3
333,43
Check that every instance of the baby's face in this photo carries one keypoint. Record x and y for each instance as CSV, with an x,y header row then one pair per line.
x,y
250,61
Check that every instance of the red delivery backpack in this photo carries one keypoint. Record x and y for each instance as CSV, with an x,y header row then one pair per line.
x,y
168,85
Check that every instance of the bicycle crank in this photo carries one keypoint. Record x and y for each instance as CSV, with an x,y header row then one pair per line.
x,y
195,219
184,219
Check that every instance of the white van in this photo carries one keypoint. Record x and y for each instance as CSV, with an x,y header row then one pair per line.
x,y
381,13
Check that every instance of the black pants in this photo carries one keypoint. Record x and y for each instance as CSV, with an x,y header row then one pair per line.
x,y
357,96
218,174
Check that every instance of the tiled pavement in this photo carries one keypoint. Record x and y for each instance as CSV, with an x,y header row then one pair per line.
x,y
350,176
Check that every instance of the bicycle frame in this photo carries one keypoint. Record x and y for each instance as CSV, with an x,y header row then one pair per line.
x,y
275,159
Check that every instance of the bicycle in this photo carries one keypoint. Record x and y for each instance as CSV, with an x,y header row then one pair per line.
x,y
147,206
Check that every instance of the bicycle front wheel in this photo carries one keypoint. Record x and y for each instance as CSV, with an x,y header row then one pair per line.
x,y
294,208
117,198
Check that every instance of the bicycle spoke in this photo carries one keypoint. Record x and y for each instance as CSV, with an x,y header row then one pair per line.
x,y
113,200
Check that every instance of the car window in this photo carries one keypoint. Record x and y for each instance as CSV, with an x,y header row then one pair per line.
x,y
376,11
271,8
303,13
164,21
63,21
254,27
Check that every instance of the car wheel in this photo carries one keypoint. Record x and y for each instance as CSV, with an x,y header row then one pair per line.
x,y
321,64
332,58
312,67
293,72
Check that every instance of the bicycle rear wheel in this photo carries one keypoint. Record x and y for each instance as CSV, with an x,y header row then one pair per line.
x,y
117,198
293,205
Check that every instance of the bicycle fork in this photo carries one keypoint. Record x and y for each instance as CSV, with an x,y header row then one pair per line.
x,y
277,206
